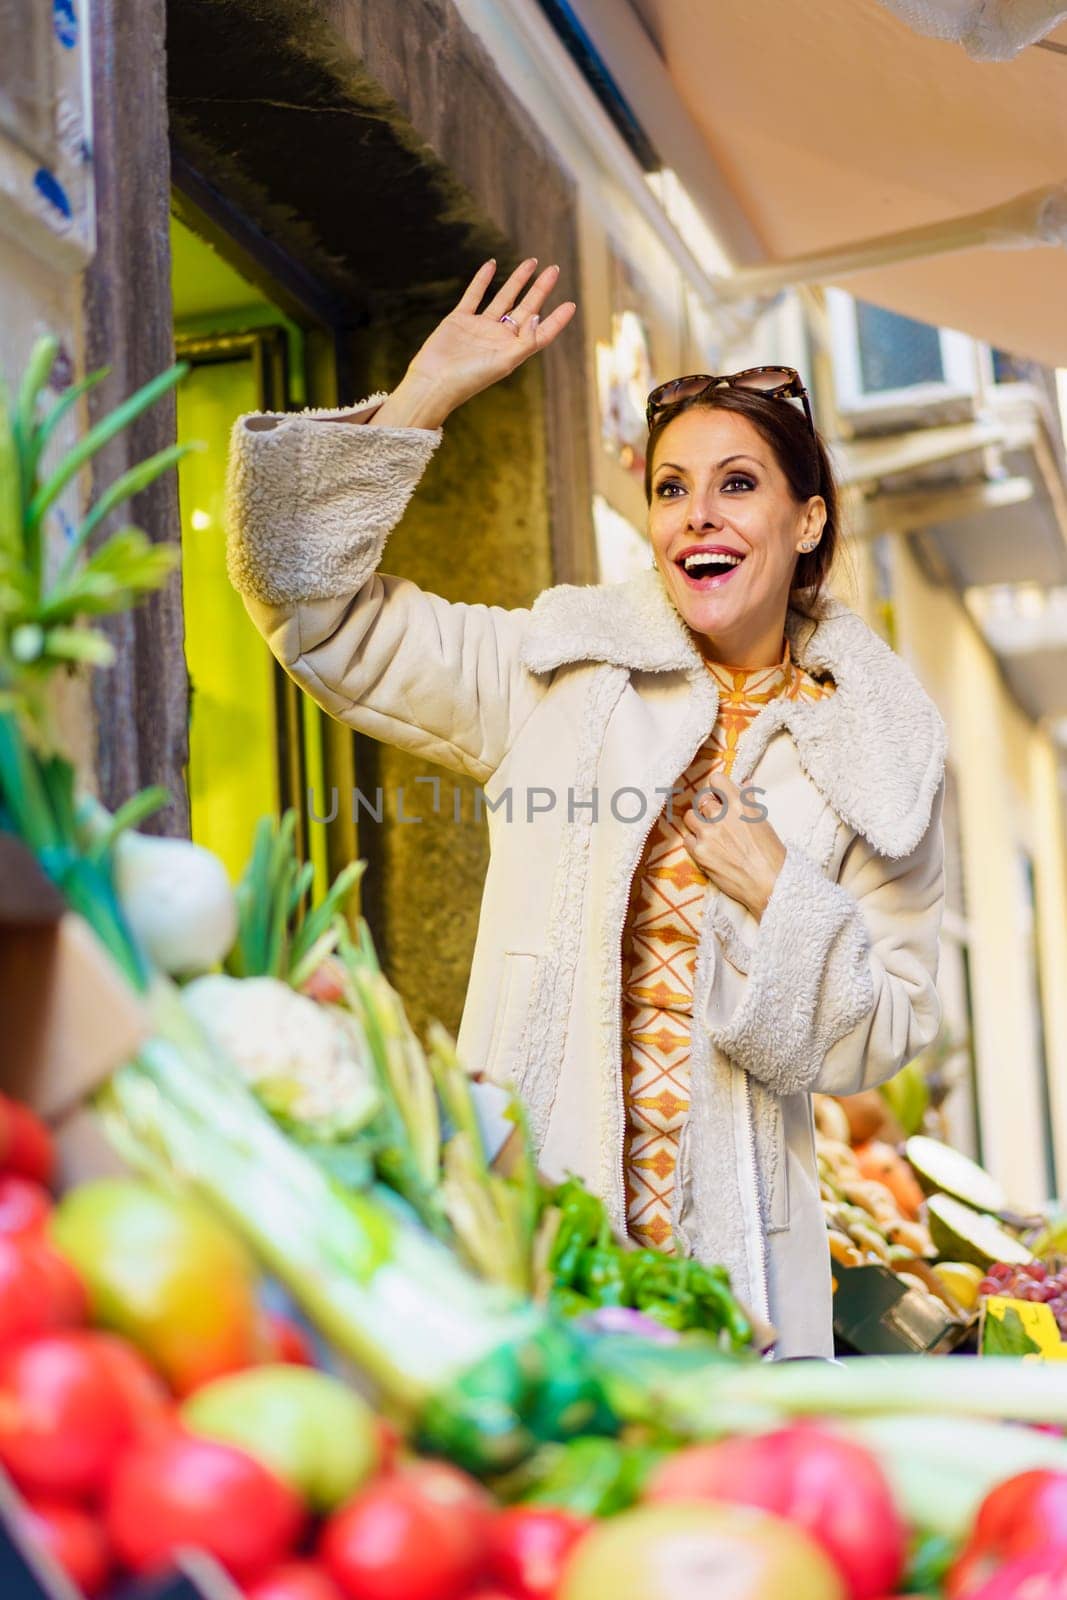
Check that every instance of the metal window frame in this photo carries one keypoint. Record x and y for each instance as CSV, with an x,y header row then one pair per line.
x,y
267,349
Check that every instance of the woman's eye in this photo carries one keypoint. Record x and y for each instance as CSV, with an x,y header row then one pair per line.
x,y
667,483
740,478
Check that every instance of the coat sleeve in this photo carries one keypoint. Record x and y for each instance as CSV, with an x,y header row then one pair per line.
x,y
310,504
841,991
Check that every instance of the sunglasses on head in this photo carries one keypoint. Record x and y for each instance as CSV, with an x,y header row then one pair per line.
x,y
776,383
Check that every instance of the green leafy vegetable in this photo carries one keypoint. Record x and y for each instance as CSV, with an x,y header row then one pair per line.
x,y
42,614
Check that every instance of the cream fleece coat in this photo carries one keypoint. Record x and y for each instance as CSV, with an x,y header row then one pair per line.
x,y
598,697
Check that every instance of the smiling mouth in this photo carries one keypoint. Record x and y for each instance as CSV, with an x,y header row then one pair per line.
x,y
708,569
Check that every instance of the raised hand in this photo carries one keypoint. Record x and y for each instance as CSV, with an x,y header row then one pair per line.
x,y
470,349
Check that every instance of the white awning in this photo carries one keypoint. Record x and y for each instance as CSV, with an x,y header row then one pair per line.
x,y
989,30
832,122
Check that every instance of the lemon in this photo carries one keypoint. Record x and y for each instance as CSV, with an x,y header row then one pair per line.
x,y
961,1279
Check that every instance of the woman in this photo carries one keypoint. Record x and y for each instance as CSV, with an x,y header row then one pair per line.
x,y
662,1042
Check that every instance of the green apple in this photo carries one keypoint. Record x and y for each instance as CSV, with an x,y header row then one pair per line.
x,y
312,1430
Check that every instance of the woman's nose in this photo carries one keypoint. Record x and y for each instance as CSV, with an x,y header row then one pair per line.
x,y
703,514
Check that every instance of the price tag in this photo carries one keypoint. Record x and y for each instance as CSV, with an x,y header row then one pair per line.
x,y
1038,1322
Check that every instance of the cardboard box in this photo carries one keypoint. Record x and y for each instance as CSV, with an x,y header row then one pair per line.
x,y
69,1016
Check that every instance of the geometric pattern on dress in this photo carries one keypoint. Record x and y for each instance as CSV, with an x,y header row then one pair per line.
x,y
659,947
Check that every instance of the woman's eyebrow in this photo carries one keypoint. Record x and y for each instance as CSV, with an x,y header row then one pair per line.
x,y
673,465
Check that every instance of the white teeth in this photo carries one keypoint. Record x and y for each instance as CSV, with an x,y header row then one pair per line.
x,y
706,559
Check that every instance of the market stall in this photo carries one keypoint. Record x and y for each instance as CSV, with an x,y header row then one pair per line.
x,y
307,1339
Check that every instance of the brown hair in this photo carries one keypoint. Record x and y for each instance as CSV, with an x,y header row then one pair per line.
x,y
802,458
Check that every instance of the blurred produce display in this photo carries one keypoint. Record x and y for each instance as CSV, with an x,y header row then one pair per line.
x,y
944,1228
477,1392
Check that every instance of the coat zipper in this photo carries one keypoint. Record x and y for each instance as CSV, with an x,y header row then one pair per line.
x,y
762,1285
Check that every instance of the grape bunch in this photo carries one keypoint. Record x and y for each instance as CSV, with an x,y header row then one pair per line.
x,y
1034,1281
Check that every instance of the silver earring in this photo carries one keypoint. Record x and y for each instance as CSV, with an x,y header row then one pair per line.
x,y
808,544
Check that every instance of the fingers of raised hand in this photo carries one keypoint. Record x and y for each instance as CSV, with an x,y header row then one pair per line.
x,y
546,330
508,293
471,298
528,334
538,292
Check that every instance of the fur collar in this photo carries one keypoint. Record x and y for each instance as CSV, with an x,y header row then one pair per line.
x,y
875,749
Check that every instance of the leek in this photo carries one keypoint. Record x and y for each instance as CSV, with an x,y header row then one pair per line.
x,y
747,1396
381,1290
484,1373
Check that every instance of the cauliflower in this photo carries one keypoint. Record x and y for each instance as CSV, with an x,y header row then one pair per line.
x,y
306,1061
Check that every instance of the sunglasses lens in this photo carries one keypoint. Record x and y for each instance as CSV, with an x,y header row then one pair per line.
x,y
770,378
672,394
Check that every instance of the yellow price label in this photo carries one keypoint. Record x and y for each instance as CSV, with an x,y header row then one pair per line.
x,y
1038,1321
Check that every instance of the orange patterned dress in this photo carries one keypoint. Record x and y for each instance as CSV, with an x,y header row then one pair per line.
x,y
659,955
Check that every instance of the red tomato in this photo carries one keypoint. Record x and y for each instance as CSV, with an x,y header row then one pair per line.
x,y
528,1546
294,1580
63,1416
67,1298
825,1484
177,1490
287,1341
31,1151
1037,1577
1024,1515
23,1293
24,1205
39,1291
147,1400
75,1540
420,1532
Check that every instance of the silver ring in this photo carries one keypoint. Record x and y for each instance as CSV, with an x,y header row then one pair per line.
x,y
514,324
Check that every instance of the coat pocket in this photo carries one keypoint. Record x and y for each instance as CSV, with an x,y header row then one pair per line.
x,y
731,924
504,1062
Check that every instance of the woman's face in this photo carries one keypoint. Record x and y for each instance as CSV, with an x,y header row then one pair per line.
x,y
717,490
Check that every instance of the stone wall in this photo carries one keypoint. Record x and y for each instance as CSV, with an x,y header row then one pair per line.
x,y
476,530
374,144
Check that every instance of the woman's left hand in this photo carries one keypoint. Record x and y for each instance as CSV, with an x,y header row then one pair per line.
x,y
739,852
